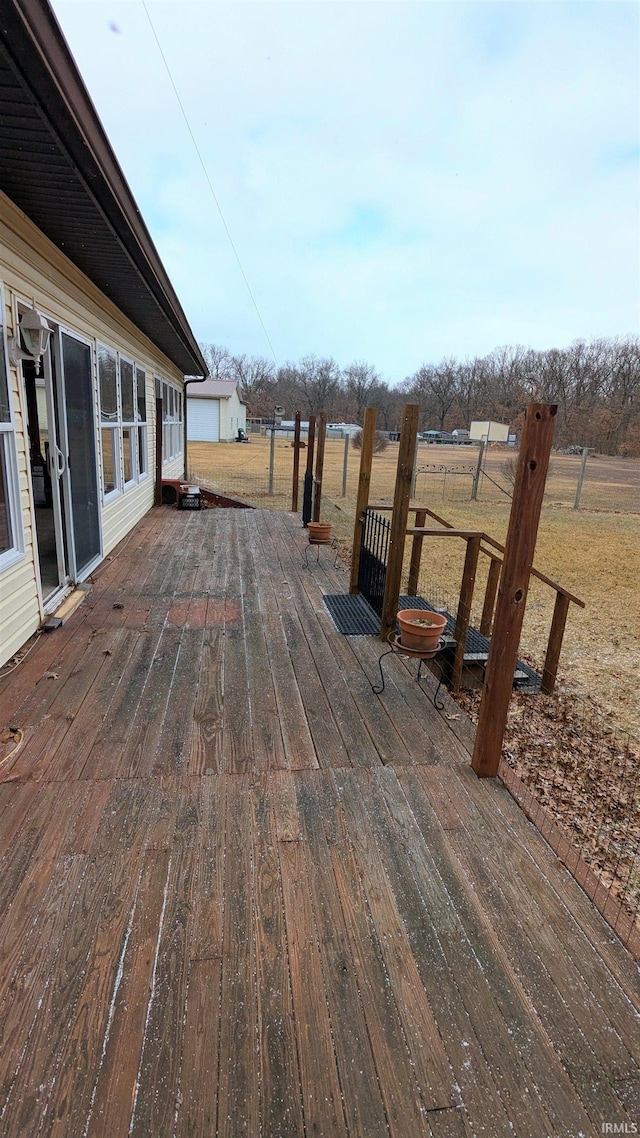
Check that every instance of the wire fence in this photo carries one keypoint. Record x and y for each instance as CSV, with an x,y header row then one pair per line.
x,y
445,474
253,488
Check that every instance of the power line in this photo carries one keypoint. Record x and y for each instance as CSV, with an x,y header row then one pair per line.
x,y
209,183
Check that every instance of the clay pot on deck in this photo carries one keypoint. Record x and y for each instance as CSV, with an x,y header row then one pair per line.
x,y
319,533
420,629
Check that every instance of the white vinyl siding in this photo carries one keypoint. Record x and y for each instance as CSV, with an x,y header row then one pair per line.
x,y
34,267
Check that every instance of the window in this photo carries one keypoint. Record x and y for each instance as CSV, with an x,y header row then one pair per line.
x,y
141,406
11,545
172,429
109,425
128,422
123,421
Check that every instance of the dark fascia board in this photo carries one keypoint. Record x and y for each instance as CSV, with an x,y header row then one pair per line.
x,y
36,43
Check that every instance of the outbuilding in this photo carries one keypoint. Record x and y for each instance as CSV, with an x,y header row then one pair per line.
x,y
488,431
215,412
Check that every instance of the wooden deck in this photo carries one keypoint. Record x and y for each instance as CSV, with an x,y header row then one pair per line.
x,y
240,895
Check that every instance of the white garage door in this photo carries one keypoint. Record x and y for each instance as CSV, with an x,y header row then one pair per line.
x,y
203,420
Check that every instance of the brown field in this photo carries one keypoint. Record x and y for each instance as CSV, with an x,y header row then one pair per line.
x,y
594,552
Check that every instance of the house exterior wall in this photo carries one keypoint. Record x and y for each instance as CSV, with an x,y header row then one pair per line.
x,y
32,267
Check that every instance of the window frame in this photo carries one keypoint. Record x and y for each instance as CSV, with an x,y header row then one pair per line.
x,y
9,457
172,421
134,426
112,426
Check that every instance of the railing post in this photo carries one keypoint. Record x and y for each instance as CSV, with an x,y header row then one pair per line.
x,y
307,499
554,646
416,555
493,580
463,616
399,517
364,483
317,497
533,463
296,464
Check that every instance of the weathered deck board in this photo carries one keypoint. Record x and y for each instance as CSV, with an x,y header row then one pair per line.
x,y
242,895
281,1104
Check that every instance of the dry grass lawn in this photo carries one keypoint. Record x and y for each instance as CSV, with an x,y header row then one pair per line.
x,y
594,552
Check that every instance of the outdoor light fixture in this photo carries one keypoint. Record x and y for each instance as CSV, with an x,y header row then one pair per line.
x,y
35,332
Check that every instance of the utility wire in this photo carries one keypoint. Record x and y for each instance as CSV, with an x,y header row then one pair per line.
x,y
209,183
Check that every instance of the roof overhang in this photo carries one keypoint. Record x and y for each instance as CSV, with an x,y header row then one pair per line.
x,y
58,167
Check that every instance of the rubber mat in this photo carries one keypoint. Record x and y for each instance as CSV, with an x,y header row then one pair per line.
x,y
352,615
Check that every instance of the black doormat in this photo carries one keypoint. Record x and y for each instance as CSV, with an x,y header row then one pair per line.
x,y
352,615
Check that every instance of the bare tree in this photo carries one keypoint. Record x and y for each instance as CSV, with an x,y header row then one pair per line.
x,y
219,361
361,382
317,383
256,380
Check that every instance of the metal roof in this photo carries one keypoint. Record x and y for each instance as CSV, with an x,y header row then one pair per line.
x,y
214,389
58,167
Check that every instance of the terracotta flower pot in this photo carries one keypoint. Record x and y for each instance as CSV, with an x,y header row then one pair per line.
x,y
421,629
319,533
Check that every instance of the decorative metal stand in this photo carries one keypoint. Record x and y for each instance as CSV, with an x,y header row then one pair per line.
x,y
333,545
398,649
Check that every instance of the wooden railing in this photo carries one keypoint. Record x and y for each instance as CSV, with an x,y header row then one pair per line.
x,y
477,543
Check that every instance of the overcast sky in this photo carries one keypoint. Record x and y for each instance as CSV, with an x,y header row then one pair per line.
x,y
401,181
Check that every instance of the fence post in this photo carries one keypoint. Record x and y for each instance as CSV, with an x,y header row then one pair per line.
x,y
322,434
307,498
399,517
296,464
364,482
345,464
576,504
415,471
476,477
272,451
416,554
533,463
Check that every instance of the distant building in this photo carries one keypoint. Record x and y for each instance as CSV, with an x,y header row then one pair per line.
x,y
486,430
215,412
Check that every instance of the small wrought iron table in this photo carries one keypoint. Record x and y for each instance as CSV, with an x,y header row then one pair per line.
x,y
398,649
333,546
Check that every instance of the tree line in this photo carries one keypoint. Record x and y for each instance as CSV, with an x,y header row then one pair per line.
x,y
595,384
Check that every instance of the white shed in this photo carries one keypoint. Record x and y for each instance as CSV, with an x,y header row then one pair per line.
x,y
486,430
215,411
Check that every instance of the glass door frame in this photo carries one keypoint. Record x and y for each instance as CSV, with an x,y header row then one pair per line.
x,y
66,476
57,463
